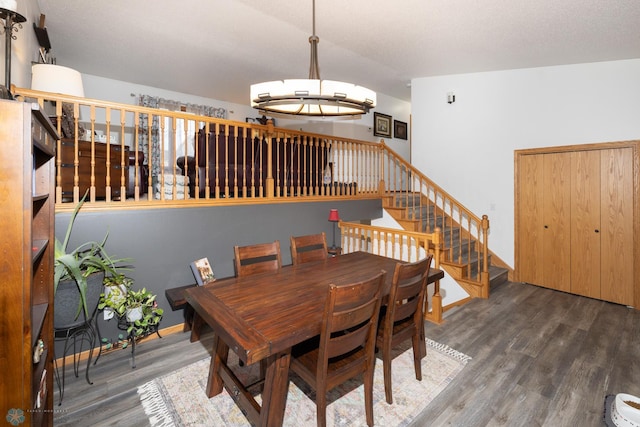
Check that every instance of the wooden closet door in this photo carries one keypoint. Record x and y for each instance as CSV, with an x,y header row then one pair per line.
x,y
556,254
530,219
585,223
616,233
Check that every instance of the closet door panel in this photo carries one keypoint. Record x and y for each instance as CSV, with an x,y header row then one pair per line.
x,y
530,217
616,225
556,252
585,223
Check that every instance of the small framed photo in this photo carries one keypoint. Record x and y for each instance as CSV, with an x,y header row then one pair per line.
x,y
381,125
202,271
399,129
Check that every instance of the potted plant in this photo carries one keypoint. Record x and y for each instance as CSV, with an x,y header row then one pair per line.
x,y
112,299
137,309
142,313
79,264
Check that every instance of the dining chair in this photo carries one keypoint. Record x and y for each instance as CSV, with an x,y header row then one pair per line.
x,y
312,247
402,317
345,347
256,259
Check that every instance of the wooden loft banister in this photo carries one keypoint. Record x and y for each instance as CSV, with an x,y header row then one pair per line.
x,y
140,156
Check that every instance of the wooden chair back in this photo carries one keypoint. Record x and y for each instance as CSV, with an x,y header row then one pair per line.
x,y
256,259
346,345
403,317
312,247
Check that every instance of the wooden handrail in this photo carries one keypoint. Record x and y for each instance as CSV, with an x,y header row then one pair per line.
x,y
403,245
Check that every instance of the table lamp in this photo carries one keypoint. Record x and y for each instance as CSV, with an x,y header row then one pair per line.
x,y
334,217
62,80
56,79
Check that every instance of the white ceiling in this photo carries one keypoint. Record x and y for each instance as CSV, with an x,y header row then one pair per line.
x,y
217,48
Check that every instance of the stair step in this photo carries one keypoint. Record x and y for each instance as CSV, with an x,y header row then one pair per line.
x,y
497,275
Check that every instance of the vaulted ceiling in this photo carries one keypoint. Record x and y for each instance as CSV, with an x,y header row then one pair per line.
x,y
217,48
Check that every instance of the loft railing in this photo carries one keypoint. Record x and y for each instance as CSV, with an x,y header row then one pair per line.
x,y
398,244
131,154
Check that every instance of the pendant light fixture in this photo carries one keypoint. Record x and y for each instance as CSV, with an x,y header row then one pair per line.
x,y
312,96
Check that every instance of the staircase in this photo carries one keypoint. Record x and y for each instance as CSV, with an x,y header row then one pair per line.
x,y
461,256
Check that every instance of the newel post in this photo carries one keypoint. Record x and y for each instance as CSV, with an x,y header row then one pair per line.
x,y
381,184
435,315
484,276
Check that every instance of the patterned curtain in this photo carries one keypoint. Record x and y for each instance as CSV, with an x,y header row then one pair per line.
x,y
167,104
143,134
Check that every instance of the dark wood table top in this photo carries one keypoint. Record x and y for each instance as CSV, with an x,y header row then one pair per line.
x,y
261,315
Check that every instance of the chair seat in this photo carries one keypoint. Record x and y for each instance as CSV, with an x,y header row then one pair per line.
x,y
340,368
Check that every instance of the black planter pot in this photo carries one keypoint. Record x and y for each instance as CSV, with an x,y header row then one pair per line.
x,y
73,328
67,300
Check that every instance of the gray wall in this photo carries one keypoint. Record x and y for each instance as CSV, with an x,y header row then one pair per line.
x,y
162,242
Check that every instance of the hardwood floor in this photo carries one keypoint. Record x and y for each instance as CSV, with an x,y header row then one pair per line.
x,y
540,358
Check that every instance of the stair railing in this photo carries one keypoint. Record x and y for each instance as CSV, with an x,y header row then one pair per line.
x,y
424,206
398,244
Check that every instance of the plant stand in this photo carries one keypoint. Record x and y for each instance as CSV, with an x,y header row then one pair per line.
x,y
123,325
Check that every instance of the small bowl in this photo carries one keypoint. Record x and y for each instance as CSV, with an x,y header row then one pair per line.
x,y
623,414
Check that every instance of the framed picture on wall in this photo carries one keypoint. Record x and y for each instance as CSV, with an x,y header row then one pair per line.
x,y
381,125
399,129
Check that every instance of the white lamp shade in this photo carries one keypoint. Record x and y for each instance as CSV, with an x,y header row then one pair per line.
x,y
56,79
11,5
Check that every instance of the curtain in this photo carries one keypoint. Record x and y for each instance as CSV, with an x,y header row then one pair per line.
x,y
153,159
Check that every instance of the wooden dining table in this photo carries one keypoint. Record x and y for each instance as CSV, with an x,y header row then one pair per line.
x,y
261,317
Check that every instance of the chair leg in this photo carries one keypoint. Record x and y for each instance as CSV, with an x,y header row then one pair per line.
x,y
386,369
321,407
368,393
423,339
417,355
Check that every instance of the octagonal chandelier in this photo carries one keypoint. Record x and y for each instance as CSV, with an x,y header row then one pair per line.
x,y
312,96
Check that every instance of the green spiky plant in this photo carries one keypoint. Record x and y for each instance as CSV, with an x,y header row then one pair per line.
x,y
88,258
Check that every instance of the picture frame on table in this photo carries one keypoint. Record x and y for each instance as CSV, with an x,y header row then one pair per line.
x,y
382,125
202,271
400,129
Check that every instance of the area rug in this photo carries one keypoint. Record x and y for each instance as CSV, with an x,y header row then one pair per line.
x,y
178,399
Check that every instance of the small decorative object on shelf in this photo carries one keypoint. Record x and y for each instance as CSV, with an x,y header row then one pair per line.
x,y
202,271
37,352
